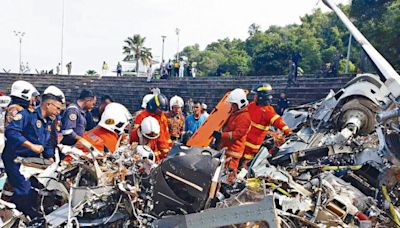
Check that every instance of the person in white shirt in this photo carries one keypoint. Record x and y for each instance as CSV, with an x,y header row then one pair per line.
x,y
204,110
181,68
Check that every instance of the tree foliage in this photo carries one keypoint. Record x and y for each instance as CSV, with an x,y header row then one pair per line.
x,y
317,39
134,49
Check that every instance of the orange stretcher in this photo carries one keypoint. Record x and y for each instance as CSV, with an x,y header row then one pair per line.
x,y
217,119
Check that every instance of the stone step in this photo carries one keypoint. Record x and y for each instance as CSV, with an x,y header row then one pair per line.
x,y
130,90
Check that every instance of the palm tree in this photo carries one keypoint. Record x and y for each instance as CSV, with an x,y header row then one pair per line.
x,y
134,50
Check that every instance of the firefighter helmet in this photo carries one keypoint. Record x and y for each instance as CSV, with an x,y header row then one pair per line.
x,y
145,152
115,118
176,101
23,90
150,128
55,92
263,92
158,102
146,99
238,96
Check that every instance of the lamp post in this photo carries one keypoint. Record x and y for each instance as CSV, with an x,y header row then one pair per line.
x,y
348,54
62,38
177,30
19,35
349,49
162,52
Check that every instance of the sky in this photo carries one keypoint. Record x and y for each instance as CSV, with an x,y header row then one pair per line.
x,y
94,30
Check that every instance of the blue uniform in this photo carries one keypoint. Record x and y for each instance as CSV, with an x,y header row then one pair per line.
x,y
90,122
73,123
26,126
192,124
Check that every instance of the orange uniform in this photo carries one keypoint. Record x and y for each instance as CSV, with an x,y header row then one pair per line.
x,y
154,144
234,135
176,125
165,142
261,118
102,139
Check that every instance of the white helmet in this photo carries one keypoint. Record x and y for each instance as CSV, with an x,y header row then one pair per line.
x,y
4,101
52,90
150,127
176,101
146,99
115,118
239,97
145,152
23,90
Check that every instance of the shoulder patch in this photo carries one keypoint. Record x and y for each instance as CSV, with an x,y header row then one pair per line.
x,y
18,117
109,121
38,123
72,116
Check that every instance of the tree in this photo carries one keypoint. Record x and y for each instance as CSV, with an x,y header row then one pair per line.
x,y
318,38
237,63
253,29
134,49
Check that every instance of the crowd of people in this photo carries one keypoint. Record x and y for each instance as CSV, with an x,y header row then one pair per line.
x,y
178,68
35,124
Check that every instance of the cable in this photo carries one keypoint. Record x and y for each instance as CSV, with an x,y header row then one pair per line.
x,y
115,210
134,210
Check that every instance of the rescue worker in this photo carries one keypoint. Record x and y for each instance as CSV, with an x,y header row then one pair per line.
x,y
56,125
4,102
145,99
148,134
22,96
98,111
176,121
204,110
262,115
73,122
156,108
107,135
28,135
234,132
283,104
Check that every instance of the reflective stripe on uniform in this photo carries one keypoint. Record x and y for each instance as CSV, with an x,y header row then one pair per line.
x,y
67,132
230,136
285,128
248,156
156,100
272,121
252,146
234,154
259,126
7,193
136,125
264,88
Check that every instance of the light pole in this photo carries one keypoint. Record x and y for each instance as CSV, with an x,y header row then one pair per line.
x,y
20,35
62,38
162,52
348,54
349,49
177,30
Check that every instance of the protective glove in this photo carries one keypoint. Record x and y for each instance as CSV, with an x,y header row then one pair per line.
x,y
287,132
217,135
